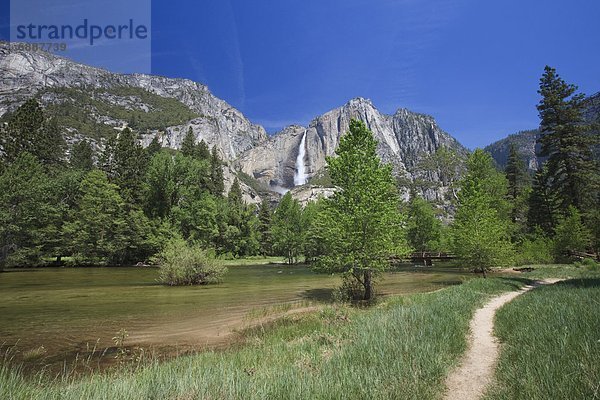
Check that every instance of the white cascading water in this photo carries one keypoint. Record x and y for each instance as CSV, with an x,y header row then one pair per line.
x,y
300,175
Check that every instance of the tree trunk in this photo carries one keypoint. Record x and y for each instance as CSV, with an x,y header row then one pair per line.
x,y
368,285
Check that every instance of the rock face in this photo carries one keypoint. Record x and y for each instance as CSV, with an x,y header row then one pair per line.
x,y
93,101
403,138
24,74
525,141
308,193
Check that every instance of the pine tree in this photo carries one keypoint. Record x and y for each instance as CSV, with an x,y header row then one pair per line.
x,y
202,150
97,232
216,174
160,186
29,130
543,203
360,224
188,145
518,192
129,167
82,156
572,171
264,227
27,212
154,147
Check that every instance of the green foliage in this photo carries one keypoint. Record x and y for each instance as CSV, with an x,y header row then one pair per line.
x,y
76,109
361,225
313,247
481,230
216,173
184,264
160,185
265,216
82,156
238,225
188,145
287,231
571,235
445,166
97,233
535,249
423,228
29,130
129,166
573,171
543,204
153,148
518,193
27,214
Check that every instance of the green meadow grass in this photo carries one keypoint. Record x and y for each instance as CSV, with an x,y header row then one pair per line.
x,y
402,348
551,341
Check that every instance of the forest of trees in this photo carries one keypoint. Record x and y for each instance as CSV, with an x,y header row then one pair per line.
x,y
122,204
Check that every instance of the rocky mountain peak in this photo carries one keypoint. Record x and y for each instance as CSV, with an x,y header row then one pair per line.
x,y
403,138
24,74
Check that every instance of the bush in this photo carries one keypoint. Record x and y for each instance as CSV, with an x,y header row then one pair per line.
x,y
537,249
184,264
571,235
589,264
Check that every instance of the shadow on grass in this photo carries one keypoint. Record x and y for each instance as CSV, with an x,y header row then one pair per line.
x,y
581,283
319,294
517,283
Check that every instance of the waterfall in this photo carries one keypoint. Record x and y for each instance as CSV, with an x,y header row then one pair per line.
x,y
300,175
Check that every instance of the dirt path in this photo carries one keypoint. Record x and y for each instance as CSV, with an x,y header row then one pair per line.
x,y
476,370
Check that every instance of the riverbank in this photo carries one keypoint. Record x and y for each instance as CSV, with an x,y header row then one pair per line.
x,y
402,348
58,316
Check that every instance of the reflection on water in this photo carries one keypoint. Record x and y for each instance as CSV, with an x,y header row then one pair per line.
x,y
64,309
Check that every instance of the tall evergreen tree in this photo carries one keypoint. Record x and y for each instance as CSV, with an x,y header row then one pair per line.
x,y
202,150
82,156
27,212
154,147
188,145
29,130
129,167
518,192
160,187
264,227
544,205
361,223
216,174
572,171
98,231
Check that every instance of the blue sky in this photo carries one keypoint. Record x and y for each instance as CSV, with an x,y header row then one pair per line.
x,y
474,65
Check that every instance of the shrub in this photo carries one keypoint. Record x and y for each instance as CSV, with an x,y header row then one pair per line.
x,y
536,249
184,264
571,235
589,264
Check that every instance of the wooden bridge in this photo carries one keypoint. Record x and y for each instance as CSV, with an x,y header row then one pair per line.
x,y
425,257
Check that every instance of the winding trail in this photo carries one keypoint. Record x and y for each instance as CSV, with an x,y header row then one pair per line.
x,y
476,371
